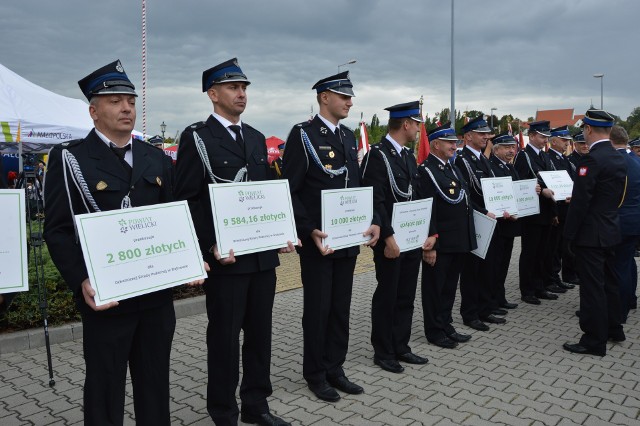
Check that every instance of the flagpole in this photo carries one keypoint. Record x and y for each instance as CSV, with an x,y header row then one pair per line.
x,y
19,140
452,111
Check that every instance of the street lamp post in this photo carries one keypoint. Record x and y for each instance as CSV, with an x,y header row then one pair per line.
x,y
601,77
163,128
352,61
492,109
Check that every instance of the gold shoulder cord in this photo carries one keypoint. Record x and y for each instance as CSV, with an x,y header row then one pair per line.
x,y
624,193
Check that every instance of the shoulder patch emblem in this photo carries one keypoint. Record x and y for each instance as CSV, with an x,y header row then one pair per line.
x,y
583,171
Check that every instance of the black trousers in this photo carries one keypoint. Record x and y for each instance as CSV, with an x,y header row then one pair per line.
x,y
141,340
477,284
504,249
392,303
439,284
239,302
627,272
534,267
600,313
327,283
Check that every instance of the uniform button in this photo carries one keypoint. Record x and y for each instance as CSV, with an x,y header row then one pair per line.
x,y
132,187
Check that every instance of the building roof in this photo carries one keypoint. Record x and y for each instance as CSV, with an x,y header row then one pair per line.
x,y
557,117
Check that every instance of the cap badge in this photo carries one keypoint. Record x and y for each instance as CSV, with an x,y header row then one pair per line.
x,y
119,67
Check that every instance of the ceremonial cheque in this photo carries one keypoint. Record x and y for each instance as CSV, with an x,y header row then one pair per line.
x,y
373,264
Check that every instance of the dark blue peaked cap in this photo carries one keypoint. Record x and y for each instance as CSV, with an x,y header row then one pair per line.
x,y
561,132
579,138
478,124
541,127
444,132
504,139
338,83
407,110
634,142
108,80
598,118
225,72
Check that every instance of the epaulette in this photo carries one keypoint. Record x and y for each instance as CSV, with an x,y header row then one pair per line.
x,y
198,125
70,144
303,124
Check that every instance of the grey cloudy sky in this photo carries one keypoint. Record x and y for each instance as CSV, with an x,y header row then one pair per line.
x,y
515,55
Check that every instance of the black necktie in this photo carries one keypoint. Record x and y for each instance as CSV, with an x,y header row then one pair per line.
x,y
120,153
236,129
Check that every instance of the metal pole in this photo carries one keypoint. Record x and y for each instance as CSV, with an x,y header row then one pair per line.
x,y
602,92
452,110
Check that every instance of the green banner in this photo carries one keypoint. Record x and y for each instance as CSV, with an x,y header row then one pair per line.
x,y
6,131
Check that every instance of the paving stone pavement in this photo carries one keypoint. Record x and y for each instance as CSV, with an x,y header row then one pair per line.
x,y
515,374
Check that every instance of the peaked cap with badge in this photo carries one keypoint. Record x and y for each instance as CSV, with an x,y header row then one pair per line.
x,y
338,83
107,80
226,72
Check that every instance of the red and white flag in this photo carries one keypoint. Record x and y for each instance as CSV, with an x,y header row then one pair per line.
x,y
423,145
363,144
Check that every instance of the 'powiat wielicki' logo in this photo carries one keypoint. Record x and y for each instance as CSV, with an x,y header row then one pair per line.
x,y
136,224
250,195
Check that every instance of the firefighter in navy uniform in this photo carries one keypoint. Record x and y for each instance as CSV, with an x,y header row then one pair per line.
x,y
276,165
477,280
580,149
562,259
502,154
118,172
239,290
535,256
322,154
593,231
452,220
392,172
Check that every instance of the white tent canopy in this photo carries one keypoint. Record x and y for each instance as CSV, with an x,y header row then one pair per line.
x,y
45,118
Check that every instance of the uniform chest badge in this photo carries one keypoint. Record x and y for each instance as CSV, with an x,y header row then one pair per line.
x,y
451,191
583,171
453,183
159,181
328,166
323,130
101,186
332,154
440,166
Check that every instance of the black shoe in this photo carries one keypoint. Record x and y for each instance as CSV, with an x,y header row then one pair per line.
x,y
546,295
532,300
508,305
459,337
618,337
346,386
492,319
266,419
388,365
499,311
566,286
325,392
572,280
444,342
411,358
553,288
577,348
476,324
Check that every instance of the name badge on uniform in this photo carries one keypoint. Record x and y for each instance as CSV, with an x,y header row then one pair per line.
x,y
101,186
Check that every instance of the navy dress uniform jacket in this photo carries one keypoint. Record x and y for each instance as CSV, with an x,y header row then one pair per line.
x,y
548,208
151,183
592,220
192,184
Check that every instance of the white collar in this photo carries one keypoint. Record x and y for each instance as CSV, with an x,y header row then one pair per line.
x,y
475,152
226,123
329,124
107,140
556,152
597,142
444,163
536,150
395,144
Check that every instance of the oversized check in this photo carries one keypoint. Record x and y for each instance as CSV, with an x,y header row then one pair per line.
x,y
559,182
410,222
526,197
130,252
484,231
346,215
14,274
250,217
498,195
